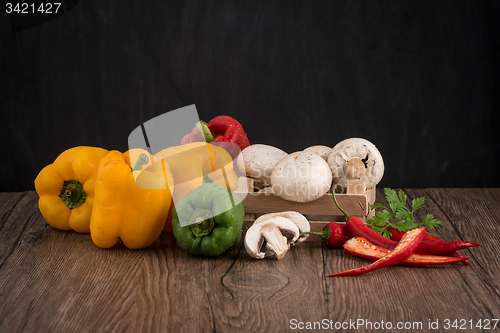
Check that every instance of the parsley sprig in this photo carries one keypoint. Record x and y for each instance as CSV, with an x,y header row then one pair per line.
x,y
398,215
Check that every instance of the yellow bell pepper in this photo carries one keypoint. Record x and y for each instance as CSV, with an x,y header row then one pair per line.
x,y
189,163
66,188
131,205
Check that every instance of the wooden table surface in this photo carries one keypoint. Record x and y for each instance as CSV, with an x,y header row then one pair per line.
x,y
56,281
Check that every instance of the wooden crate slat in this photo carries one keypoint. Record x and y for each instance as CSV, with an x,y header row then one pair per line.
x,y
318,212
263,203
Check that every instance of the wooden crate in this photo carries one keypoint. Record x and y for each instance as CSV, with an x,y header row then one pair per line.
x,y
318,212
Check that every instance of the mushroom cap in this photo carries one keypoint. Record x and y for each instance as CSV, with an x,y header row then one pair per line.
x,y
298,219
352,148
301,177
320,150
260,161
273,235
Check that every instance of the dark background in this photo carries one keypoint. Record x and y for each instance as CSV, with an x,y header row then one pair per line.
x,y
420,79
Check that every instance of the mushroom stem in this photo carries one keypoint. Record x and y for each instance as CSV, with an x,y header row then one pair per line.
x,y
355,168
275,239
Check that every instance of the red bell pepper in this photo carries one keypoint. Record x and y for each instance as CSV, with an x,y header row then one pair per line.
x,y
405,248
223,131
361,247
227,129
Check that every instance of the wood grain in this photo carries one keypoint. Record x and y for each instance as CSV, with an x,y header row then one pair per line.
x,y
57,281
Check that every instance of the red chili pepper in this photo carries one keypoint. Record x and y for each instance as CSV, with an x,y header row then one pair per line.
x,y
334,234
430,246
359,228
434,245
405,248
361,247
228,129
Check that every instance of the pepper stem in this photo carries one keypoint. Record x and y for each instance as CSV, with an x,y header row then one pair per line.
x,y
141,161
72,194
325,234
203,129
338,206
201,222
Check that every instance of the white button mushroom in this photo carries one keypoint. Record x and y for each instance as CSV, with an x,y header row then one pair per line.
x,y
320,150
260,161
301,177
356,159
274,236
298,219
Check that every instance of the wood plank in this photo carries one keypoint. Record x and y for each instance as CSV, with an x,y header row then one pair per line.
x,y
57,281
473,215
18,212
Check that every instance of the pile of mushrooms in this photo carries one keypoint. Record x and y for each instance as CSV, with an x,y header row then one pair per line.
x,y
353,166
273,234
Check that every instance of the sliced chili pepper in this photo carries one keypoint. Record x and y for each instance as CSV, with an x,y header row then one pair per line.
x,y
434,245
405,248
334,234
361,247
458,255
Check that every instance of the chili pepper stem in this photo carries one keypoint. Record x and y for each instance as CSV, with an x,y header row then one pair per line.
x,y
323,234
338,206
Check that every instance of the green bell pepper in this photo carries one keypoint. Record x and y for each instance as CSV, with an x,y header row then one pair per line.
x,y
215,216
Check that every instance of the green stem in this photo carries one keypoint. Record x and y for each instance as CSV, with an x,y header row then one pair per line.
x,y
202,222
325,234
141,161
338,206
72,194
203,129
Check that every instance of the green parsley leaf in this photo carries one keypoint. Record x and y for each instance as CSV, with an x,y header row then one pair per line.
x,y
377,205
431,222
417,203
398,215
391,195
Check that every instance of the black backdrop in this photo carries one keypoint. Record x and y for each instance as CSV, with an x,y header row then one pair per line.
x,y
420,79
